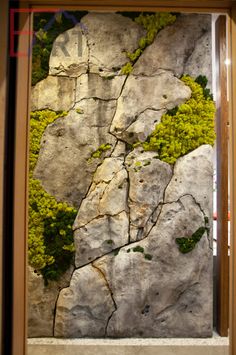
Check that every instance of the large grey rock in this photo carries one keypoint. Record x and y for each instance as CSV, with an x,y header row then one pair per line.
x,y
83,309
53,93
70,53
174,45
148,179
193,174
169,295
100,236
92,85
64,166
163,91
110,36
107,194
42,302
200,61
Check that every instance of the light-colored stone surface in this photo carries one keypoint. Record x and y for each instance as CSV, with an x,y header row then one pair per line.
x,y
63,165
83,309
163,91
143,126
42,301
53,93
200,61
110,36
161,297
107,194
101,236
174,45
193,174
148,179
92,85
70,53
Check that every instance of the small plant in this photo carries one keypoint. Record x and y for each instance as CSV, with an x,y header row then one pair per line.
x,y
109,241
188,244
79,111
138,249
148,256
98,153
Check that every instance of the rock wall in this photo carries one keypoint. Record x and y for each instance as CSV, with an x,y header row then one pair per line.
x,y
130,278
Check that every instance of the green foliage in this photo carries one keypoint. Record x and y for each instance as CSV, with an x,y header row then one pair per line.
x,y
44,40
138,249
79,111
184,128
50,238
98,153
148,257
152,23
188,244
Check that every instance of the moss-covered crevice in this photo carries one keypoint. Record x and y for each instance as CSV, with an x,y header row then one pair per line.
x,y
152,23
185,127
50,237
188,244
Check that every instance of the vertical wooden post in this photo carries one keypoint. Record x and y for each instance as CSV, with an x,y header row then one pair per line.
x,y
20,216
232,312
3,105
222,180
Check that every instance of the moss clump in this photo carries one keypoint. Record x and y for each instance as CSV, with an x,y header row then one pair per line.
x,y
152,23
188,244
50,239
148,257
98,153
138,249
79,111
185,128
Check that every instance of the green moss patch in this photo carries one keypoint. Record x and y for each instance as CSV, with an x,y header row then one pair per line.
x,y
186,127
50,239
188,244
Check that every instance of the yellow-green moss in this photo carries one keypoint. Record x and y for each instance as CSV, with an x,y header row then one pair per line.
x,y
50,238
98,152
186,127
152,24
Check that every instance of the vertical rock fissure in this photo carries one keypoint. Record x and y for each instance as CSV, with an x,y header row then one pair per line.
x,y
111,294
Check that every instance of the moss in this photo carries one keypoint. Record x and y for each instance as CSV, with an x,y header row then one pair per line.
x,y
116,252
79,111
184,128
44,39
98,153
138,249
109,241
50,239
148,256
152,23
188,244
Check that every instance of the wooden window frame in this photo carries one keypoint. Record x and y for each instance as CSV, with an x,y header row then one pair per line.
x,y
19,331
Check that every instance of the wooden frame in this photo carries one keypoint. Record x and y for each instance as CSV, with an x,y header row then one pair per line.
x,y
21,141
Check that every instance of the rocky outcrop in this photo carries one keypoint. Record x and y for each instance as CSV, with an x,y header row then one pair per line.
x,y
174,45
142,93
131,278
84,308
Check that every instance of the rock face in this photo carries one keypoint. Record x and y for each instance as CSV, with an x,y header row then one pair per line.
x,y
130,277
84,308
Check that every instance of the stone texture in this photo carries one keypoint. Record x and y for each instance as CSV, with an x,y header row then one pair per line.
x,y
200,60
70,53
83,309
174,45
53,93
193,174
169,295
163,91
42,301
110,36
148,179
143,126
100,236
92,85
107,194
63,166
